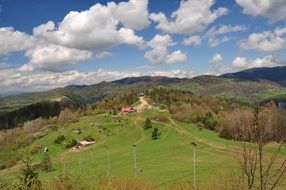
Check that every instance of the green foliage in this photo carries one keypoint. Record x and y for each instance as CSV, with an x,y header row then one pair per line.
x,y
169,96
61,138
3,184
210,120
29,178
155,134
46,163
148,124
71,143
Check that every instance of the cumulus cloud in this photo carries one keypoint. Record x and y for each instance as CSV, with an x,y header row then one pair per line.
x,y
191,17
79,33
12,40
192,40
95,28
176,57
272,9
54,56
265,41
159,51
217,58
133,14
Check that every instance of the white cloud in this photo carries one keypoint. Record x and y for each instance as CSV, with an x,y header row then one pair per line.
x,y
54,56
133,14
242,63
213,41
103,54
128,36
12,40
161,40
217,58
265,41
193,40
224,29
95,28
273,9
176,57
159,52
5,66
71,41
267,61
12,79
192,16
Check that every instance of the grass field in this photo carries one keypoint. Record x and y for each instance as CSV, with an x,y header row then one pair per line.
x,y
167,159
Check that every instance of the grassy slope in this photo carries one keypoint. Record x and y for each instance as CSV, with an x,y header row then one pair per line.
x,y
164,160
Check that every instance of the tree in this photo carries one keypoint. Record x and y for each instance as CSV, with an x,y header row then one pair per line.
x,y
46,164
29,179
155,134
148,124
262,169
59,139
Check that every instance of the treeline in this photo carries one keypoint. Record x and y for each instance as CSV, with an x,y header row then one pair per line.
x,y
168,96
42,109
13,141
116,102
267,121
223,116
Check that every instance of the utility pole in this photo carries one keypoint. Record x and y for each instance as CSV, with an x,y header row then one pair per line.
x,y
194,147
108,161
134,157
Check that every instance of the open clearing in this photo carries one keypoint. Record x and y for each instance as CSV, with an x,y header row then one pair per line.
x,y
164,160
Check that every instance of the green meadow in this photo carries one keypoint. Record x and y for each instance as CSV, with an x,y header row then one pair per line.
x,y
168,159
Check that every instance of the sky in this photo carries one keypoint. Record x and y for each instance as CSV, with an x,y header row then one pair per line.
x,y
49,44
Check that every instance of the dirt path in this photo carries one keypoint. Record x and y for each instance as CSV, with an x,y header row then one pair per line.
x,y
184,132
143,104
143,136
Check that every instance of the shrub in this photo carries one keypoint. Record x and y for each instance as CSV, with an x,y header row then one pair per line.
x,y
155,134
71,143
29,179
59,139
148,124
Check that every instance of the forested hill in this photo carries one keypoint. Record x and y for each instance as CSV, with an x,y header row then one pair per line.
x,y
226,87
275,74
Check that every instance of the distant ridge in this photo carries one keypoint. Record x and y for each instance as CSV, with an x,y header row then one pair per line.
x,y
274,74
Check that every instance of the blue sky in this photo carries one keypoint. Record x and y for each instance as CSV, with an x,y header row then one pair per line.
x,y
49,44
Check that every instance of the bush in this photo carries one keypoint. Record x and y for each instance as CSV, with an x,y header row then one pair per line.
x,y
71,143
29,179
46,164
59,139
155,134
148,124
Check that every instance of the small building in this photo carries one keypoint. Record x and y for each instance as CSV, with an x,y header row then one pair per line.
x,y
127,109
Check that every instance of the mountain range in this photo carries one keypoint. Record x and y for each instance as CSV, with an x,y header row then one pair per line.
x,y
248,86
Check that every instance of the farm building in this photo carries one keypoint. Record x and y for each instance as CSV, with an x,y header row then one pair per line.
x,y
87,141
127,109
